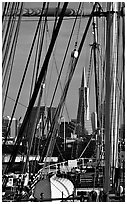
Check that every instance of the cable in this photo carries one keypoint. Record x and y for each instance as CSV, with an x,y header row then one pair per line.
x,y
7,41
4,11
58,76
77,36
4,23
11,57
41,43
23,77
8,27
64,58
18,102
72,65
33,98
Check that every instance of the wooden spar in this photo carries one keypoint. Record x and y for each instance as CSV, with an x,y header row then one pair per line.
x,y
114,121
70,12
111,75
107,102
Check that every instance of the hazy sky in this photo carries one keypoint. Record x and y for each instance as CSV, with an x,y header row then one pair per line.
x,y
26,35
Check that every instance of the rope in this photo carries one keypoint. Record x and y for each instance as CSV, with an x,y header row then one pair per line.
x,y
23,77
3,15
12,55
7,41
33,98
86,147
4,23
77,36
41,42
57,74
18,102
72,65
41,36
56,16
8,26
64,58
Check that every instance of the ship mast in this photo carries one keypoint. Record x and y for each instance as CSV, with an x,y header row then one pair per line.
x,y
107,102
111,66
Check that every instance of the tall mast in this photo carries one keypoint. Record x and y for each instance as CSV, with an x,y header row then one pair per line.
x,y
108,101
114,95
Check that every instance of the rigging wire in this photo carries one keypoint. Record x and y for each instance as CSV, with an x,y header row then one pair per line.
x,y
35,93
8,25
57,113
80,18
11,57
4,22
8,41
33,131
58,75
64,58
24,74
53,31
37,59
18,102
56,16
72,65
41,36
41,42
5,11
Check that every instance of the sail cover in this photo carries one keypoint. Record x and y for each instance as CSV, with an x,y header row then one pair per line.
x,y
54,187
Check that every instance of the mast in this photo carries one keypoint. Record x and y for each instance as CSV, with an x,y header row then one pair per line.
x,y
114,96
108,101
111,105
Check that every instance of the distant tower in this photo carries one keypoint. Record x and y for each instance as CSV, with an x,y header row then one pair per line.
x,y
83,121
80,129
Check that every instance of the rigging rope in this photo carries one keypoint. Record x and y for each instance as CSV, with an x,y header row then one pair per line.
x,y
41,36
33,131
58,75
11,58
41,42
72,65
64,58
24,74
77,36
35,93
4,22
7,41
57,113
56,16
18,102
8,26
4,11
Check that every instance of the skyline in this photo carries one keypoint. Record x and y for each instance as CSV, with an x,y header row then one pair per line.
x,y
26,34
27,30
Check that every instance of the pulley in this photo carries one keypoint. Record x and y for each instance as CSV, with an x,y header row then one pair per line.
x,y
74,53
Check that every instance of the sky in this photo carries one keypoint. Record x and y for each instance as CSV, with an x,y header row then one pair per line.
x,y
26,34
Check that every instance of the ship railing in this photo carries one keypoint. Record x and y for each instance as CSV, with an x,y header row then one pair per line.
x,y
63,167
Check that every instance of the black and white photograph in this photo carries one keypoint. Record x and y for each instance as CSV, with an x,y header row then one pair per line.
x,y
63,101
